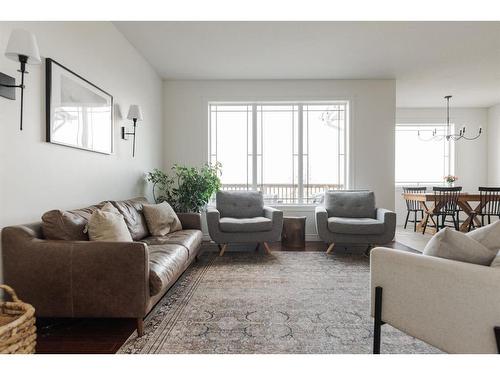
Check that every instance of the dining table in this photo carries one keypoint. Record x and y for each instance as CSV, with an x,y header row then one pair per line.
x,y
466,201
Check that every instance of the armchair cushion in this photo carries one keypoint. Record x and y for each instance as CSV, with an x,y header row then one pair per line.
x,y
240,204
357,204
349,225
252,224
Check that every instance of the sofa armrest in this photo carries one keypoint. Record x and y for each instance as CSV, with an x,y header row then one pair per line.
x,y
274,214
213,218
322,223
387,216
451,305
276,217
321,212
213,215
389,219
76,278
118,271
190,220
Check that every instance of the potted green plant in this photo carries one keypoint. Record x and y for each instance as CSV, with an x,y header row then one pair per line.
x,y
187,189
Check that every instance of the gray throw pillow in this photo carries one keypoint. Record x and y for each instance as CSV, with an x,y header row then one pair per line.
x,y
454,245
489,236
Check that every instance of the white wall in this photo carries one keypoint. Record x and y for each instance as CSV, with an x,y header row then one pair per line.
x,y
494,145
372,123
471,157
36,176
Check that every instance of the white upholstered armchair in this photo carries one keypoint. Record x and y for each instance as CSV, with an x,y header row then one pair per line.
x,y
451,305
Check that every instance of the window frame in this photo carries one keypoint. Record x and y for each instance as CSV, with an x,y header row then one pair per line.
x,y
301,162
451,163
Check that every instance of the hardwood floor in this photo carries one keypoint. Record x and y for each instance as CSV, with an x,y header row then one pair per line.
x,y
106,336
82,336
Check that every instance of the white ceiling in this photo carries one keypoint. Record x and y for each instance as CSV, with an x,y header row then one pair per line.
x,y
427,59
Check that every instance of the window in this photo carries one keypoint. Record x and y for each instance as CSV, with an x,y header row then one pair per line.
x,y
291,152
420,160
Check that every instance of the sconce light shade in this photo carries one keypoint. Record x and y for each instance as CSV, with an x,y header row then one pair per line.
x,y
23,43
135,112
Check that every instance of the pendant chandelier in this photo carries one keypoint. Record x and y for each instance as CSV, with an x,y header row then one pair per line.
x,y
447,134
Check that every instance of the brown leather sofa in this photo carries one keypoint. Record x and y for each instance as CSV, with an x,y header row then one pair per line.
x,y
66,277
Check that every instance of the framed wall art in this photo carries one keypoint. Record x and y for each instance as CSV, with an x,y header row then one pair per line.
x,y
78,113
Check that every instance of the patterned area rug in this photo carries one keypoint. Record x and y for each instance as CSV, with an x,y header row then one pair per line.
x,y
286,302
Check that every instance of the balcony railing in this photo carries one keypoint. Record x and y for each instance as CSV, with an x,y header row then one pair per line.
x,y
288,193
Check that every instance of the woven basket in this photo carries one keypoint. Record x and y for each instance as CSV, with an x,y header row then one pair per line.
x,y
17,325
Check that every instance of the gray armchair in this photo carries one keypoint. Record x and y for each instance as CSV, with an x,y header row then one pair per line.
x,y
241,217
350,217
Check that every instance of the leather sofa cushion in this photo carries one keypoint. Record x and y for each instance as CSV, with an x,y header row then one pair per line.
x,y
349,225
67,225
356,204
165,262
131,210
240,204
189,238
253,224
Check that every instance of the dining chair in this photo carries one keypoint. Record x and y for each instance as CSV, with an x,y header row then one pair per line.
x,y
413,206
490,205
445,204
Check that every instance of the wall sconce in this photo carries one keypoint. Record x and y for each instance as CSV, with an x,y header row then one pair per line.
x,y
22,47
134,114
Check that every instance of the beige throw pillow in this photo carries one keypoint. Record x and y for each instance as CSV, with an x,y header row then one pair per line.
x,y
488,236
107,224
496,261
451,244
161,219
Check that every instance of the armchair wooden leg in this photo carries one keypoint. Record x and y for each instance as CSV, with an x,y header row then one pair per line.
x,y
267,248
330,248
257,247
377,320
140,327
223,249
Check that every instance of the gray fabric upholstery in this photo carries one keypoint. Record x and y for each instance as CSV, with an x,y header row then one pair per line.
x,y
240,204
362,236
251,224
220,236
359,204
355,225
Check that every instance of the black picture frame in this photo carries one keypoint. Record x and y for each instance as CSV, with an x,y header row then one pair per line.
x,y
104,99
